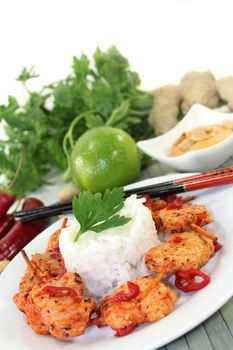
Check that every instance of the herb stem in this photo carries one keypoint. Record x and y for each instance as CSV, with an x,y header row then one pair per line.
x,y
19,166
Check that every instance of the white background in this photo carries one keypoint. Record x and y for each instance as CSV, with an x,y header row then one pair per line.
x,y
163,39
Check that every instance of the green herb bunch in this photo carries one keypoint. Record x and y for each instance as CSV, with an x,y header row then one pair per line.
x,y
39,138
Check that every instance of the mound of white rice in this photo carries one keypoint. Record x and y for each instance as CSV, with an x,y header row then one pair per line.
x,y
106,259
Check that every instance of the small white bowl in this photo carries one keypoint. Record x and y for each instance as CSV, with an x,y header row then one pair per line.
x,y
200,160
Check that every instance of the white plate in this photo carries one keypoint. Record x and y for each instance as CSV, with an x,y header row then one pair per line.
x,y
190,309
199,160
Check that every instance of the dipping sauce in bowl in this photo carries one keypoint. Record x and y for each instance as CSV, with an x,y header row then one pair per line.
x,y
201,137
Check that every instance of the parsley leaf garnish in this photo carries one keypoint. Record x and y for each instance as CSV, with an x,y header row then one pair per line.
x,y
97,212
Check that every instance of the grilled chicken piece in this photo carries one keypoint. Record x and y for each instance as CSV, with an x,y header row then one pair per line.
x,y
34,318
156,304
28,281
63,309
49,265
53,244
181,251
179,220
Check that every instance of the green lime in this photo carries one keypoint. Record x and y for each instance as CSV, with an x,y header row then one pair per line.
x,y
104,157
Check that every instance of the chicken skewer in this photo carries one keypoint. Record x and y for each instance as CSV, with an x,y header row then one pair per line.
x,y
178,215
150,301
50,297
181,251
32,313
63,308
53,244
50,264
183,254
56,306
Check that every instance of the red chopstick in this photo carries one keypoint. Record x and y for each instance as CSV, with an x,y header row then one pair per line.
x,y
210,174
191,185
215,180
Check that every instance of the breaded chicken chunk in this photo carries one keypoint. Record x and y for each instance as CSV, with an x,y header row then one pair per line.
x,y
49,265
157,303
34,318
63,309
181,251
179,220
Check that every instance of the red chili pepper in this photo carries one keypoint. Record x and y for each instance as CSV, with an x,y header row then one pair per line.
x,y
176,239
5,224
218,246
176,204
120,332
170,198
20,235
185,280
147,203
56,248
62,272
59,291
133,292
6,200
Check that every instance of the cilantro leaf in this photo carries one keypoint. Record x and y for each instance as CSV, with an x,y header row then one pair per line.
x,y
97,212
27,74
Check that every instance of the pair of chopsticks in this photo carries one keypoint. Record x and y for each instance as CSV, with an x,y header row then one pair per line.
x,y
196,182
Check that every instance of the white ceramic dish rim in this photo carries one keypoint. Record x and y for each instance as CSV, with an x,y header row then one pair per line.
x,y
186,316
182,128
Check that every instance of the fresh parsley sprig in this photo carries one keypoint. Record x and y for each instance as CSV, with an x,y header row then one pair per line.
x,y
97,212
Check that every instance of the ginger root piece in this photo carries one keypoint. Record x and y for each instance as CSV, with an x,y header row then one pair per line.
x,y
165,110
198,87
68,192
225,90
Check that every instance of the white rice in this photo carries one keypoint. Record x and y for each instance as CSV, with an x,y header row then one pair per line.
x,y
106,259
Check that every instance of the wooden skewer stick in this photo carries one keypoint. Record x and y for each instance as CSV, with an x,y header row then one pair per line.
x,y
31,267
153,284
205,233
188,199
64,222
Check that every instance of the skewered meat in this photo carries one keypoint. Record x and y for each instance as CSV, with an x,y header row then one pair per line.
x,y
179,220
34,318
53,244
64,310
156,304
28,281
181,251
49,265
